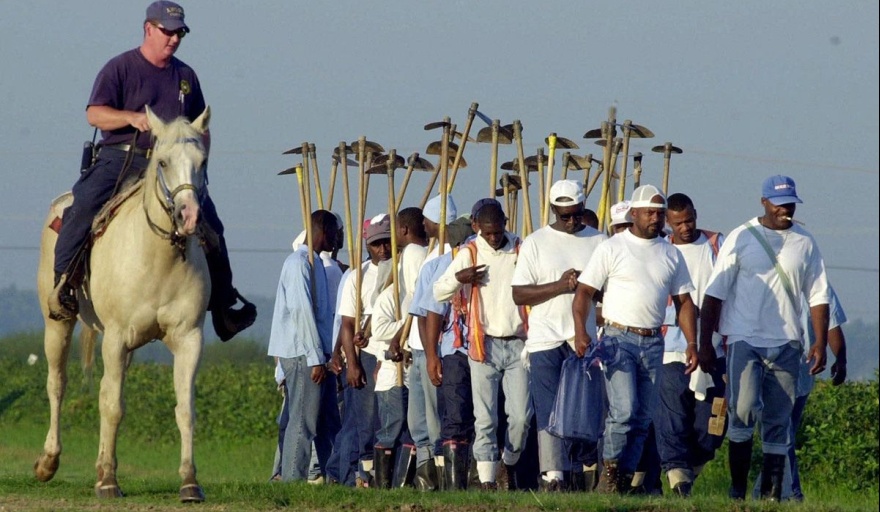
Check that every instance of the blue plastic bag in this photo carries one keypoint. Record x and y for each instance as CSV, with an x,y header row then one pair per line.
x,y
579,410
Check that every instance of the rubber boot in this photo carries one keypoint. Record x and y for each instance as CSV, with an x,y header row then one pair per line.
x,y
771,477
383,464
404,467
473,475
591,478
457,461
610,478
512,479
739,459
426,476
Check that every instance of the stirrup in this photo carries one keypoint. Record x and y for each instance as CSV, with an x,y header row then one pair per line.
x,y
62,301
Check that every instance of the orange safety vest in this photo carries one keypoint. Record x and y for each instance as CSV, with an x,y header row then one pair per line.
x,y
466,311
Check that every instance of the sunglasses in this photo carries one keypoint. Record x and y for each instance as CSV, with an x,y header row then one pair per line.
x,y
565,217
180,33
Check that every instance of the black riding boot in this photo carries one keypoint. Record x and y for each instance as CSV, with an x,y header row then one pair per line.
x,y
427,477
383,464
62,303
227,321
404,467
771,477
739,459
457,459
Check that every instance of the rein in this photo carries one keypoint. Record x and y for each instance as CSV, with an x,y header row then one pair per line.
x,y
166,200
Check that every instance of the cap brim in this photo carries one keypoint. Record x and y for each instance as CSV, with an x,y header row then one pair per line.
x,y
175,25
377,238
781,200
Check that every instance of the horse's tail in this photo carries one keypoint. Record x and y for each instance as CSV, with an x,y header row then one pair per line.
x,y
88,338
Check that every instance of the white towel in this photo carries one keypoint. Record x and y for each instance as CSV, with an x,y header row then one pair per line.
x,y
700,383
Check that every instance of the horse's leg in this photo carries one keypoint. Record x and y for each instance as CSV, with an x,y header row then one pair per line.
x,y
112,408
56,343
187,352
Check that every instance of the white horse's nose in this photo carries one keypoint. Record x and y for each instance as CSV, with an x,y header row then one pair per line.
x,y
186,216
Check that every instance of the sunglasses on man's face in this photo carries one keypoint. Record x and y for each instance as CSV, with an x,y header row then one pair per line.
x,y
180,33
566,217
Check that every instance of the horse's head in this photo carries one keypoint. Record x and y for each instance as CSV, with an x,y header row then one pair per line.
x,y
179,159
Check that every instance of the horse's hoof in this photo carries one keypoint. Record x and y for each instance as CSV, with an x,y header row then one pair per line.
x,y
191,493
46,466
107,491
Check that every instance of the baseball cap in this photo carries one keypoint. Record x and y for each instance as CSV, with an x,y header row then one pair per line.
x,y
566,193
475,209
168,14
432,210
379,228
780,190
620,213
642,197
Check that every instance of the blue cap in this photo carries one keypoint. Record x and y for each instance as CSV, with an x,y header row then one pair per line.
x,y
168,14
780,190
480,204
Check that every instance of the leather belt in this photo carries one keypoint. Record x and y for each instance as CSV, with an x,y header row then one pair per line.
x,y
504,338
126,148
641,331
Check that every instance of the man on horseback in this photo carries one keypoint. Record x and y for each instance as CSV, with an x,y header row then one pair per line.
x,y
151,76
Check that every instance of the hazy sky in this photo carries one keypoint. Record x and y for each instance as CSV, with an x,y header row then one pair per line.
x,y
748,89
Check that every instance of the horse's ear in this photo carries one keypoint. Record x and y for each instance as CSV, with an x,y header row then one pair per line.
x,y
156,124
201,122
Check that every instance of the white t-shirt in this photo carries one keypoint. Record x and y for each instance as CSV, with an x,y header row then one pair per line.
x,y
543,257
638,275
385,326
756,307
499,316
412,259
370,288
699,256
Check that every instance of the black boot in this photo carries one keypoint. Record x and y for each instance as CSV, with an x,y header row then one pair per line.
x,y
457,457
512,480
473,474
404,467
426,476
62,302
383,465
739,459
771,477
227,320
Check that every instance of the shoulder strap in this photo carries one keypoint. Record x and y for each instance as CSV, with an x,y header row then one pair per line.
x,y
786,282
713,240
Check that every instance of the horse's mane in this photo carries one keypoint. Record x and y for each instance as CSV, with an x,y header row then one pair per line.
x,y
176,131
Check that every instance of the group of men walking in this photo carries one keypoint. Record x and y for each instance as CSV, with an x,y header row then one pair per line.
x,y
694,328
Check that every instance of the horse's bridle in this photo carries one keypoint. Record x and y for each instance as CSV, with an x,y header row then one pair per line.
x,y
167,199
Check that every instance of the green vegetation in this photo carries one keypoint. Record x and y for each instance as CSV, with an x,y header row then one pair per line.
x,y
237,403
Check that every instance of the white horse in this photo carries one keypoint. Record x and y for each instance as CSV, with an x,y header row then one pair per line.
x,y
140,288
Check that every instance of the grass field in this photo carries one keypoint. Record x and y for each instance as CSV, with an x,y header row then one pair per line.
x,y
235,475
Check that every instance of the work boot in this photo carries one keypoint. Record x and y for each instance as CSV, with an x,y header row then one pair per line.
x,y
739,459
383,464
426,476
552,485
771,477
512,481
610,478
404,467
230,321
62,301
457,459
591,477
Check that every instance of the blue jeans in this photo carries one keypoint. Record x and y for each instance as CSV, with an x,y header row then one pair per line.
x,y
554,453
681,421
762,386
302,406
359,424
457,418
391,409
422,416
329,422
502,366
629,381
